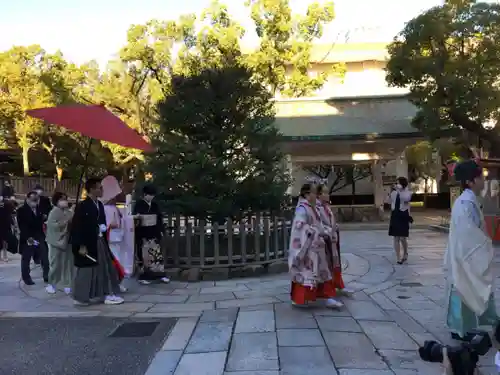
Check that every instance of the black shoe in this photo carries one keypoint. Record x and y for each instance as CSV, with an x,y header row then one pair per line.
x,y
45,279
29,282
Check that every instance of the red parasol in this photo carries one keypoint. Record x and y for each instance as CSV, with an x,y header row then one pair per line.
x,y
94,121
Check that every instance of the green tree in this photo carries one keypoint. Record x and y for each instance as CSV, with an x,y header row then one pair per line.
x,y
21,89
218,151
283,58
449,58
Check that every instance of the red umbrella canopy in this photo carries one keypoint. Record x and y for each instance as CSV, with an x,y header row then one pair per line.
x,y
93,121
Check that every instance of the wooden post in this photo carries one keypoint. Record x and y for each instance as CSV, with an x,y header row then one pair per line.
x,y
201,228
189,235
215,233
229,226
267,239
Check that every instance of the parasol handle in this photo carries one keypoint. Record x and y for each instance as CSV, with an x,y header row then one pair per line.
x,y
84,170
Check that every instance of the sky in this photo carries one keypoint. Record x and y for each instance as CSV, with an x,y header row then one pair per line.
x,y
96,29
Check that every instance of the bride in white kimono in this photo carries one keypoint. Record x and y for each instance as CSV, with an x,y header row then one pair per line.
x,y
469,259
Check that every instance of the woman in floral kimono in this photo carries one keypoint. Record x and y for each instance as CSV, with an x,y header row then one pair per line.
x,y
469,259
149,233
311,276
332,242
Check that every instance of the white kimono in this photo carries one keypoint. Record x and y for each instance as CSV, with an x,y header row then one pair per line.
x,y
468,267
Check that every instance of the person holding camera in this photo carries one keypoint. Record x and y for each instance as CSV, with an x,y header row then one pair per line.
x,y
468,261
399,225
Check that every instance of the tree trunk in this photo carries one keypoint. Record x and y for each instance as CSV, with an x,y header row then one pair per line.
x,y
26,162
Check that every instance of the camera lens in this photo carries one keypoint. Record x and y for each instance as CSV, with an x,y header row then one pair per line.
x,y
432,351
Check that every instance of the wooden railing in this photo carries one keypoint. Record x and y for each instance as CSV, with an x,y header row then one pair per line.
x,y
258,239
22,185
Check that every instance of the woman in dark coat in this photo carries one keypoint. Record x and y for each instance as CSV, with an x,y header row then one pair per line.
x,y
148,234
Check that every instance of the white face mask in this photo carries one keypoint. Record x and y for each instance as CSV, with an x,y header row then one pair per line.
x,y
62,204
32,204
148,198
399,186
39,192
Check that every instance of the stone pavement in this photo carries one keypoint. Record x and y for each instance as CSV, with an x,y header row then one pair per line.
x,y
248,327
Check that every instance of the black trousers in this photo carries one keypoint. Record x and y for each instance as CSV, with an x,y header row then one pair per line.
x,y
28,253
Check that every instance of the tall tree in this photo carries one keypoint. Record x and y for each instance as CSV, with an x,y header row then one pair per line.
x,y
21,88
283,58
449,57
218,151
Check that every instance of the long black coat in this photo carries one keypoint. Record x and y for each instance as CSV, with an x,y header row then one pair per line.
x,y
45,205
88,216
30,224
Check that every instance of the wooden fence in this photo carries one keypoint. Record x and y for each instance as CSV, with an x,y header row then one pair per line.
x,y
22,185
258,239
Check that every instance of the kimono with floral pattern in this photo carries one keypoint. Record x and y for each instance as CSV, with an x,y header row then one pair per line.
x,y
307,258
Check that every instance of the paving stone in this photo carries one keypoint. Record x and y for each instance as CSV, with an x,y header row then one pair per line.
x,y
210,337
165,307
410,360
246,302
253,352
403,320
201,364
263,293
180,335
364,372
222,315
305,361
255,321
210,297
164,363
288,316
365,310
352,350
174,314
266,307
223,289
158,298
300,337
338,324
383,302
387,335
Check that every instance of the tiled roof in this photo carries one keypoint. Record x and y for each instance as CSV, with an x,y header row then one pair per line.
x,y
345,52
365,117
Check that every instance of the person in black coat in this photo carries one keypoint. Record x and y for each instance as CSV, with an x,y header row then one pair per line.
x,y
8,241
148,234
31,237
96,277
44,206
44,203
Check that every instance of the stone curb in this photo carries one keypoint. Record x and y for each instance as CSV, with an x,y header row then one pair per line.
x,y
439,228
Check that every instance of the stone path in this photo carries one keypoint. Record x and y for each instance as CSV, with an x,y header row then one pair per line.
x,y
248,327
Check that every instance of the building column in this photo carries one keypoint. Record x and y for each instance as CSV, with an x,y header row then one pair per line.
x,y
289,169
401,166
378,186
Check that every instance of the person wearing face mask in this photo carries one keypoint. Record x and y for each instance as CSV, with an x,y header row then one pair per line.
x,y
149,234
8,240
61,260
399,225
31,237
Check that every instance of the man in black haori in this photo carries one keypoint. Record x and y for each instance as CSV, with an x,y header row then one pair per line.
x,y
96,277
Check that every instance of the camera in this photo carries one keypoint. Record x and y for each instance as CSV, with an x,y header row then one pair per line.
x,y
460,359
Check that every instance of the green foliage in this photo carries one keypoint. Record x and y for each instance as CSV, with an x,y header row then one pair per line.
x,y
218,151
449,57
283,58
